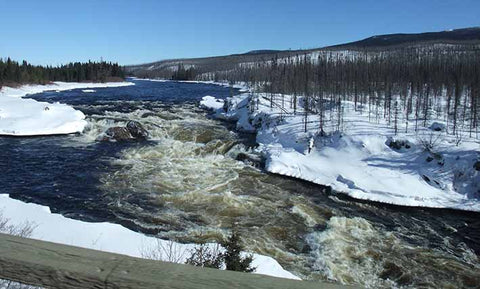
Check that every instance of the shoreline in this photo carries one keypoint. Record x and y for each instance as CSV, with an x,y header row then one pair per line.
x,y
23,117
336,194
109,237
241,87
285,149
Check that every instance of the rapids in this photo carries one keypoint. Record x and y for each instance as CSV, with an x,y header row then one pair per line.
x,y
185,184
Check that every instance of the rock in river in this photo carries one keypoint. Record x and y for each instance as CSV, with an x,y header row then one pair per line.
x,y
132,131
136,130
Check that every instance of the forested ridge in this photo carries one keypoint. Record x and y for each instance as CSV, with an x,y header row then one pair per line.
x,y
404,83
415,81
14,73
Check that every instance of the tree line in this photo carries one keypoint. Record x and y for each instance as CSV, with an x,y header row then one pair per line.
x,y
401,85
13,72
183,74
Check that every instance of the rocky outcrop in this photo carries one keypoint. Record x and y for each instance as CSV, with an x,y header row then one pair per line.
x,y
251,160
132,131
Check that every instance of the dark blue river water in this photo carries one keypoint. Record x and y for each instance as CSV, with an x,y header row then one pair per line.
x,y
184,183
56,172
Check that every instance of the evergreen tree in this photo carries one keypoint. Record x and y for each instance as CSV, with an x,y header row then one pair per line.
x,y
233,259
203,256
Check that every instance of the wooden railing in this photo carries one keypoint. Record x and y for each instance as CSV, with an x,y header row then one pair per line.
x,y
53,265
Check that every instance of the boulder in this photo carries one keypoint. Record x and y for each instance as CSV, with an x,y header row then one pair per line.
x,y
437,126
136,130
117,133
476,165
132,131
251,160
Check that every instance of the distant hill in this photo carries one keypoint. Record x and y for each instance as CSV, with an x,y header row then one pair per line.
x,y
164,68
265,51
466,35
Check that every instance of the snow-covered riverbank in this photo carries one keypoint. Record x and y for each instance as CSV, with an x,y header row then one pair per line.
x,y
28,117
240,86
363,160
109,237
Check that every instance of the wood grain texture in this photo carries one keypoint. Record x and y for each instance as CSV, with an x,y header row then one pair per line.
x,y
53,265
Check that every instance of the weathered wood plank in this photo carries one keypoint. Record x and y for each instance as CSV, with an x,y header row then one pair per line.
x,y
59,266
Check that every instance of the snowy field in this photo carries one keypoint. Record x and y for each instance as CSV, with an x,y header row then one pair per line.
x,y
28,117
110,237
358,160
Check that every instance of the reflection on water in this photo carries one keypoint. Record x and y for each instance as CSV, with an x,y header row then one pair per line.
x,y
185,184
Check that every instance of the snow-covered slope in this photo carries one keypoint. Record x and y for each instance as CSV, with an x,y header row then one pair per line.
x,y
28,117
109,237
361,160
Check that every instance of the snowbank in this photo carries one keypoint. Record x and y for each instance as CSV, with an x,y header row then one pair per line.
x,y
106,236
361,161
28,117
242,86
211,102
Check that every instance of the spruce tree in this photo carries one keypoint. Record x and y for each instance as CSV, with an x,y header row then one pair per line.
x,y
233,259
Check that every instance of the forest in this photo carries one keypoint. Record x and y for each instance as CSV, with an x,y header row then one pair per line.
x,y
13,73
406,83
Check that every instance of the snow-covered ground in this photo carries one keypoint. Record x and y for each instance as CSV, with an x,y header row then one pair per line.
x,y
28,117
109,237
241,86
358,160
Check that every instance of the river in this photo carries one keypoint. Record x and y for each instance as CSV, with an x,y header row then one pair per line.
x,y
184,184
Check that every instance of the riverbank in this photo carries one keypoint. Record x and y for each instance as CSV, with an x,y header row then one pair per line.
x,y
110,237
358,155
241,86
27,117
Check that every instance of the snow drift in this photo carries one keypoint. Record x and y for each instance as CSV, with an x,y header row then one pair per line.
x,y
28,117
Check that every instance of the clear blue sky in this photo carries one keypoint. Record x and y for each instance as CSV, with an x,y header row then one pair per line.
x,y
131,32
